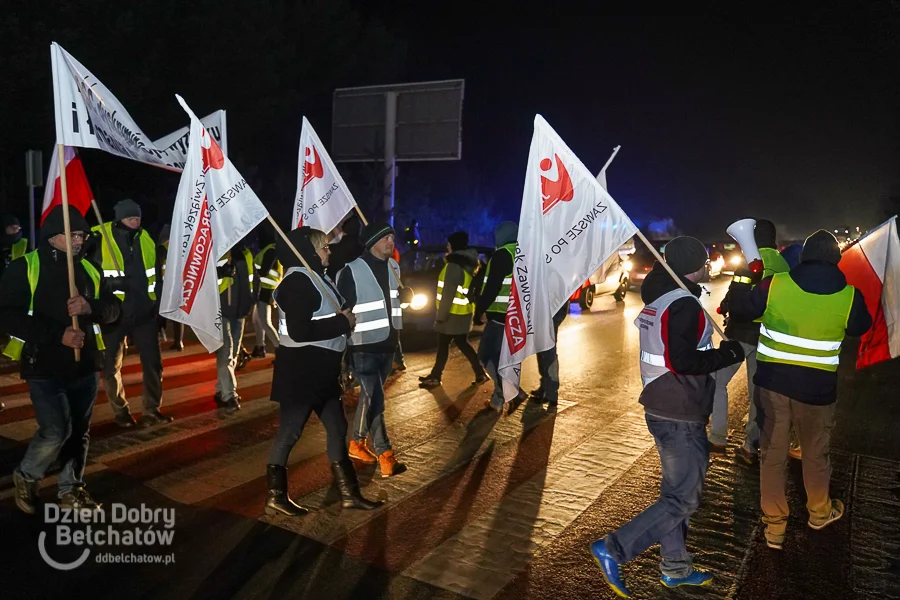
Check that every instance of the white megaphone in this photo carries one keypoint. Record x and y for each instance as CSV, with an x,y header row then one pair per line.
x,y
742,232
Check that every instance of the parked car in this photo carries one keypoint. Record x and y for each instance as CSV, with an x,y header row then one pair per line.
x,y
420,269
642,261
611,279
731,254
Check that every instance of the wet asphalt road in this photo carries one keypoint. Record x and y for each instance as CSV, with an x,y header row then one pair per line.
x,y
489,508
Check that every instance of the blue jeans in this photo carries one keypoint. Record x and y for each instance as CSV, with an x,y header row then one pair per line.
x,y
227,356
684,455
371,370
548,362
63,412
718,431
489,355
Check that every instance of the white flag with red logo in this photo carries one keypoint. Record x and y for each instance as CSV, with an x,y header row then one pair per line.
x,y
569,226
214,208
78,190
323,199
873,267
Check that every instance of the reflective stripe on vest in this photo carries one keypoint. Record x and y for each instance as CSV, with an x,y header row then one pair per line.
x,y
373,321
461,304
653,346
13,349
226,282
773,263
325,311
270,279
112,262
803,329
501,302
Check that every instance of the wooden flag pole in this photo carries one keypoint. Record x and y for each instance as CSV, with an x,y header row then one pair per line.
x,y
337,307
361,216
106,239
67,229
679,281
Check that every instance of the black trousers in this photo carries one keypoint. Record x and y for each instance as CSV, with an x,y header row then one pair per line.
x,y
443,353
295,414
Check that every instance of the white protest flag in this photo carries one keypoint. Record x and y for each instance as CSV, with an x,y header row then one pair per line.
x,y
214,209
568,227
323,199
88,115
215,125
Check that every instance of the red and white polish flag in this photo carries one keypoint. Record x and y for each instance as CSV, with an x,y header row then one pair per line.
x,y
873,267
77,187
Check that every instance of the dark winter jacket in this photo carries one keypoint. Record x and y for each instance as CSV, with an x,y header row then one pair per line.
x,y
44,356
267,264
242,297
687,393
347,288
307,374
810,386
458,263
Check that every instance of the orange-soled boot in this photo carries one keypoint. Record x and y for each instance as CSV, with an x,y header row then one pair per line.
x,y
389,465
359,451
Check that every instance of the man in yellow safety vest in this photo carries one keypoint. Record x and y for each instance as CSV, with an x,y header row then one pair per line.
x,y
36,308
806,313
127,255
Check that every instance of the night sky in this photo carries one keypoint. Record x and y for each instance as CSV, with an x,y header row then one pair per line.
x,y
719,118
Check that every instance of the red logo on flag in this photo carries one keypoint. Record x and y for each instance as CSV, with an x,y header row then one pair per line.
x,y
556,190
211,153
312,169
197,259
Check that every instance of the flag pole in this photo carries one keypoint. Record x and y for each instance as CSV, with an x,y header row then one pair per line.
x,y
611,157
359,212
67,230
109,246
337,307
678,280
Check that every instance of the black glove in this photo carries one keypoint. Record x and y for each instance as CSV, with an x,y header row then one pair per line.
x,y
225,271
744,272
406,295
733,350
119,284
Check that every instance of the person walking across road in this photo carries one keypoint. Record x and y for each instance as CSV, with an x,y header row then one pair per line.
x,y
454,311
162,251
747,333
373,289
269,270
133,250
307,370
548,365
677,362
37,309
806,313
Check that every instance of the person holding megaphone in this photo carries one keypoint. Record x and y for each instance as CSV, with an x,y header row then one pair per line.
x,y
757,241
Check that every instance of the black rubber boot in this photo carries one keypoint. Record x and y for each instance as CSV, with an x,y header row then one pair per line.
x,y
277,500
347,484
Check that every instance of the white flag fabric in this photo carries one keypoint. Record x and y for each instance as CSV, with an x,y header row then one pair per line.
x,y
214,208
569,226
215,125
88,115
323,199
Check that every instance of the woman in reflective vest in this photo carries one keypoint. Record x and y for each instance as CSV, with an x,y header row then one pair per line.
x,y
454,311
314,334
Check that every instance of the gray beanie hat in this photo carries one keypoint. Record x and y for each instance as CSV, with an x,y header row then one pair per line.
x,y
127,208
686,255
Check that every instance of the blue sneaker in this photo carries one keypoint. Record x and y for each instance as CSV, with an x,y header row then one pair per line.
x,y
698,578
610,568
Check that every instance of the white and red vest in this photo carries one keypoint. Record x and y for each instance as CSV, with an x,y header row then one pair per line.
x,y
653,323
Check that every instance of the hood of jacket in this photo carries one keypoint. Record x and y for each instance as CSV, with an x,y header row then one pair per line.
x,y
466,258
300,239
659,283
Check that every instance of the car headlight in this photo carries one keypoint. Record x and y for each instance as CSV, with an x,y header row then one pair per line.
x,y
627,265
736,260
419,302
